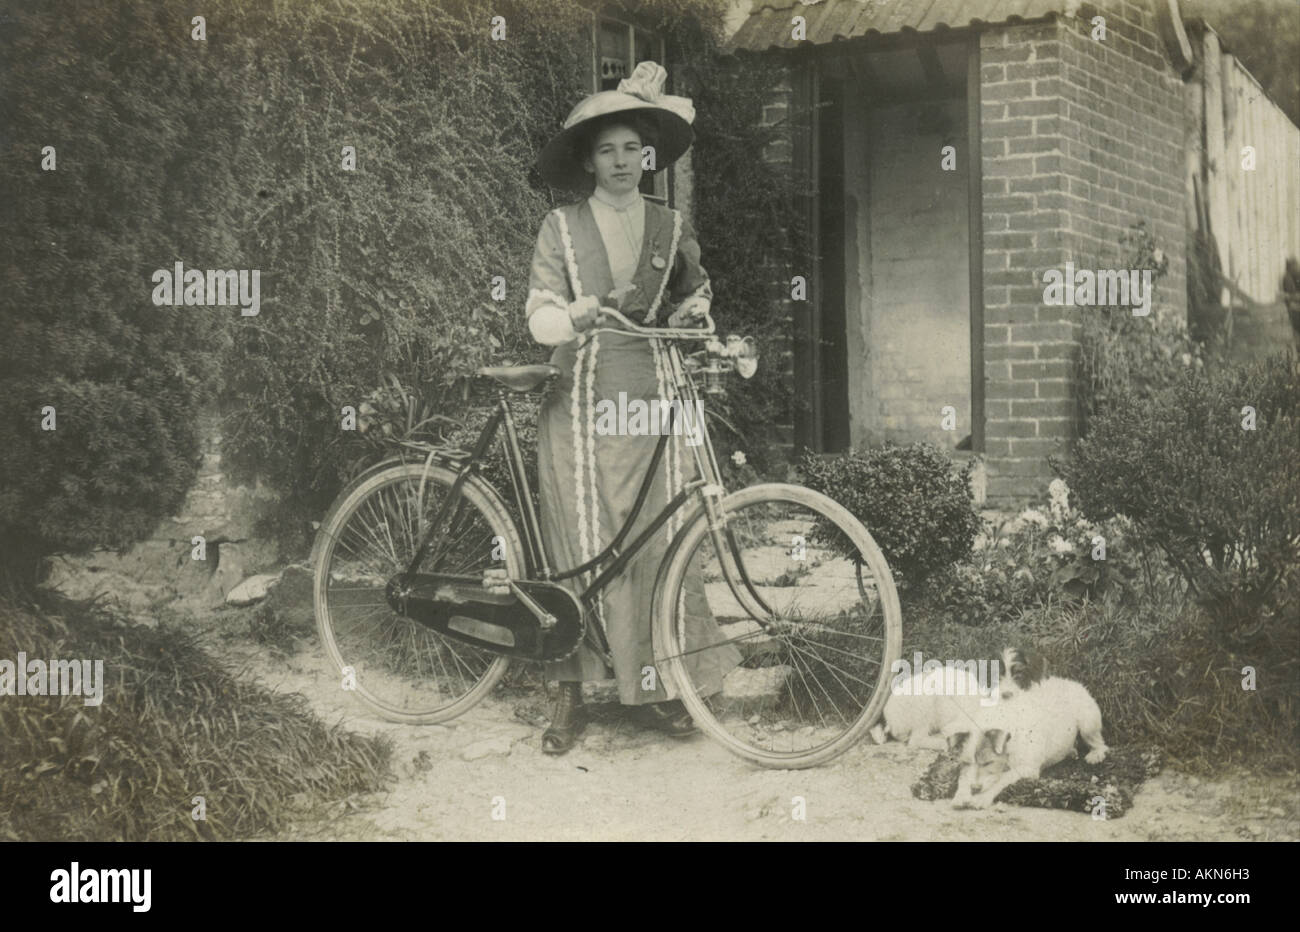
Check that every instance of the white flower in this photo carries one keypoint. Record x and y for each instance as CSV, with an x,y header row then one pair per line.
x,y
1159,256
1060,544
739,458
1060,495
1033,516
1187,359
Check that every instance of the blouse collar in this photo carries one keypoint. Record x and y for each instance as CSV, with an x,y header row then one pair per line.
x,y
626,202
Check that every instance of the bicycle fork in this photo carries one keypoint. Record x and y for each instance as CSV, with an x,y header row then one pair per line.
x,y
724,539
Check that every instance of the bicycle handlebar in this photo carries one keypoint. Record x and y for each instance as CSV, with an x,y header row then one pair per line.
x,y
676,333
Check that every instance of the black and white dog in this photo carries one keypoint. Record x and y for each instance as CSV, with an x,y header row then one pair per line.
x,y
1035,726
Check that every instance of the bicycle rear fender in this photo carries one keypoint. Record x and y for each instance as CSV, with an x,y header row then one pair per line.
x,y
448,461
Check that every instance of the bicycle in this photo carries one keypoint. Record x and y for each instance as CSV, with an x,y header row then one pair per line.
x,y
425,587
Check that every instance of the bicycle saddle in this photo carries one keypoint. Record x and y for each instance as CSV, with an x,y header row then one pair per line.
x,y
520,378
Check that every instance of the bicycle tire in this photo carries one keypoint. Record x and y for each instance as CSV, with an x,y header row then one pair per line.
x,y
671,642
334,529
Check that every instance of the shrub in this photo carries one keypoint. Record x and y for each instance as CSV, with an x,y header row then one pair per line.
x,y
1222,502
1123,356
388,268
919,510
138,184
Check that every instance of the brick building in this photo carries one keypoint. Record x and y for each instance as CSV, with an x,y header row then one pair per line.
x,y
925,316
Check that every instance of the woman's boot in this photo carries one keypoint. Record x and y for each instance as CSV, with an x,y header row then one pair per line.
x,y
669,717
568,718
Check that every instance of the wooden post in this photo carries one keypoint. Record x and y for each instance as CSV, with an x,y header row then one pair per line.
x,y
975,219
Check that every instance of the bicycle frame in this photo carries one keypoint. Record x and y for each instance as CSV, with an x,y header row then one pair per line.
x,y
707,485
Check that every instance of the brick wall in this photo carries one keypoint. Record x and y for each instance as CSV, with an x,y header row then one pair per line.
x,y
1028,349
1080,139
1123,142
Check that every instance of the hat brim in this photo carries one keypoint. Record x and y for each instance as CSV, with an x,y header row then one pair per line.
x,y
562,167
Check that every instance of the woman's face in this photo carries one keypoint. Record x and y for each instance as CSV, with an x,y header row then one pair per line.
x,y
615,159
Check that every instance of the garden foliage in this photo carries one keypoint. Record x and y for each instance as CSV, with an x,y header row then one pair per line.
x,y
749,233
175,725
140,181
1221,501
388,269
918,508
1044,555
1127,357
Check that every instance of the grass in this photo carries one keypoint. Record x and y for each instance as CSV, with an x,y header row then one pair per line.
x,y
174,724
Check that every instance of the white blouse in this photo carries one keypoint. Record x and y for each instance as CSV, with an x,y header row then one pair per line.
x,y
622,228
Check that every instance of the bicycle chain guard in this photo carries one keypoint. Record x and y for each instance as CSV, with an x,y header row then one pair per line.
x,y
458,607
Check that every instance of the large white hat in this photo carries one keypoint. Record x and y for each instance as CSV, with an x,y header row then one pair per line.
x,y
642,93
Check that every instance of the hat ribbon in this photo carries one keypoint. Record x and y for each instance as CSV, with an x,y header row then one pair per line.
x,y
647,83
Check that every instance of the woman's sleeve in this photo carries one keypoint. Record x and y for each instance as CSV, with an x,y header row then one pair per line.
x,y
689,281
548,288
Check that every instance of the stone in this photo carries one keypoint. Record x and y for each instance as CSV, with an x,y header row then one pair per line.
x,y
747,691
251,590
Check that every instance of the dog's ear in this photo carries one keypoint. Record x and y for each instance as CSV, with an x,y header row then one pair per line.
x,y
956,739
997,739
1036,665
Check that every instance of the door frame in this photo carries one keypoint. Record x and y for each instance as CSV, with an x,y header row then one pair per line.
x,y
806,84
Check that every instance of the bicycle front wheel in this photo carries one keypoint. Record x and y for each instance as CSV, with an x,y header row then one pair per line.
x,y
804,600
403,670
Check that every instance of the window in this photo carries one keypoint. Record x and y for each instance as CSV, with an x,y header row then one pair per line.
x,y
618,48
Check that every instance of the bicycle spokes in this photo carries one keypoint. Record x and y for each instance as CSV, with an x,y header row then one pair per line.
x,y
401,667
799,635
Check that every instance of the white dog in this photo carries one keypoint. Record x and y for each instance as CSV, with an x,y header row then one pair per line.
x,y
1017,740
919,709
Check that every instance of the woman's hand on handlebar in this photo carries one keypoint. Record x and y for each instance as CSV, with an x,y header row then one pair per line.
x,y
691,313
584,313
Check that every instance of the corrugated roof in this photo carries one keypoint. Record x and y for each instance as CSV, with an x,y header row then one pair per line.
x,y
768,25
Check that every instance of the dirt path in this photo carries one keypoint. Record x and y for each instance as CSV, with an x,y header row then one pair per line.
x,y
622,783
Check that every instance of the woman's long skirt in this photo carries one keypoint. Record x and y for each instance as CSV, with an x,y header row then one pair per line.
x,y
588,480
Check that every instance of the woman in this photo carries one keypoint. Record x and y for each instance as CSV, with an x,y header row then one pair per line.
x,y
616,248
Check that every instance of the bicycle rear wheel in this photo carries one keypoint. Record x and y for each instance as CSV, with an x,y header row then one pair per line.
x,y
818,631
403,670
